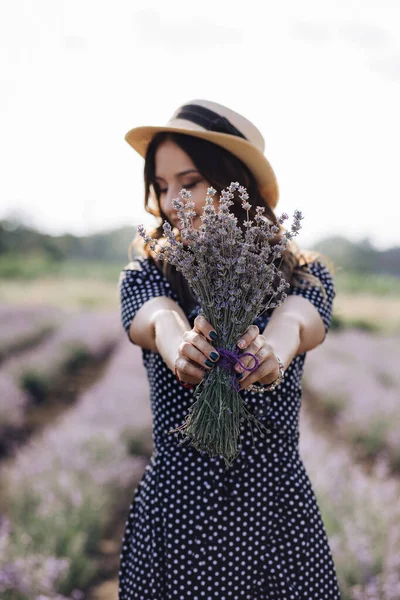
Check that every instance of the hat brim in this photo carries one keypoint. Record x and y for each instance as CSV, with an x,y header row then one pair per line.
x,y
140,137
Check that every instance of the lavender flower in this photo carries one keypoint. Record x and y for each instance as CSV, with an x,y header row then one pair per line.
x,y
69,476
365,540
83,334
234,275
359,368
24,326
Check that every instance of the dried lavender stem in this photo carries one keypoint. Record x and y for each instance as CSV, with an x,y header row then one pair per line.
x,y
220,261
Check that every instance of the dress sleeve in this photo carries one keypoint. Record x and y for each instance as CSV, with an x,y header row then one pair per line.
x,y
140,281
314,294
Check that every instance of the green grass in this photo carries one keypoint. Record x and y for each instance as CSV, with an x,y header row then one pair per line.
x,y
372,441
333,405
34,266
31,267
71,527
39,383
369,283
364,324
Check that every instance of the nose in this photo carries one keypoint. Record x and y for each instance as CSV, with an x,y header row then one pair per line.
x,y
169,196
167,203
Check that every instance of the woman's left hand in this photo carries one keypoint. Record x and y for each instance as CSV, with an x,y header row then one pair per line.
x,y
268,366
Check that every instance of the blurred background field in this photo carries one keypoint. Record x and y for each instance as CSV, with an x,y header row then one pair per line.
x,y
75,421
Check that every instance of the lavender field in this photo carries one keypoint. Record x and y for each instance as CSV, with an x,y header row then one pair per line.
x,y
354,379
63,486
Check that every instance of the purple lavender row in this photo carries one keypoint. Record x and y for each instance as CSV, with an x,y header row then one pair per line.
x,y
355,378
362,516
62,486
19,326
94,331
22,326
91,333
31,374
26,313
13,402
76,468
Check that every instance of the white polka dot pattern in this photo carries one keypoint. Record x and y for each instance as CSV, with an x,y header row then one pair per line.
x,y
138,282
197,531
314,293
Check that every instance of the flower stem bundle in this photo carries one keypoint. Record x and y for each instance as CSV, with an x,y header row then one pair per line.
x,y
234,275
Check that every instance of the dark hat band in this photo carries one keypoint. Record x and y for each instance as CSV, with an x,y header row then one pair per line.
x,y
208,119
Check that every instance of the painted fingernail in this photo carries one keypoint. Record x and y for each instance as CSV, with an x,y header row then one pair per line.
x,y
240,376
214,355
209,363
241,343
213,335
239,369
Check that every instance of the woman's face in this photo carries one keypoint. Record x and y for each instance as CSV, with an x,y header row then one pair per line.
x,y
174,171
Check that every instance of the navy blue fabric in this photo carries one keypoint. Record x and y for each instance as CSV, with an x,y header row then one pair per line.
x,y
196,530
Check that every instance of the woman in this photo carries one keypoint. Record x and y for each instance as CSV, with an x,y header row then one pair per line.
x,y
196,530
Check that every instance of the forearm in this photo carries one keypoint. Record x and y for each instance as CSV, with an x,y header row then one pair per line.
x,y
295,327
283,334
169,328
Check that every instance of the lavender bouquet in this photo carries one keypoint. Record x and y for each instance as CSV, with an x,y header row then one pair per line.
x,y
235,279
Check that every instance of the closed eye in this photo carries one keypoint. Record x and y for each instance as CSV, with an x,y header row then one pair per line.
x,y
187,187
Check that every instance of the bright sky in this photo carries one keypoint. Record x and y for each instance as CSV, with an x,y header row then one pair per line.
x,y
321,80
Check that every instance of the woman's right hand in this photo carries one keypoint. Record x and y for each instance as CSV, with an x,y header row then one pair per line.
x,y
196,348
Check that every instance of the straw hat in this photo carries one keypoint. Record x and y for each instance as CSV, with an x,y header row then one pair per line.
x,y
222,126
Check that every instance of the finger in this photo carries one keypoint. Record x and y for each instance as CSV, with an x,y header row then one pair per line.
x,y
191,352
201,325
199,341
248,337
266,373
262,354
254,348
187,371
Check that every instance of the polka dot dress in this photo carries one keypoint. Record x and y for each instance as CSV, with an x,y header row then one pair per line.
x,y
198,531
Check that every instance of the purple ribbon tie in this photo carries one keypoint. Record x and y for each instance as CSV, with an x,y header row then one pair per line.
x,y
228,360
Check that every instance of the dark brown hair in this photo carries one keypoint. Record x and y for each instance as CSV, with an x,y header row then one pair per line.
x,y
219,168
